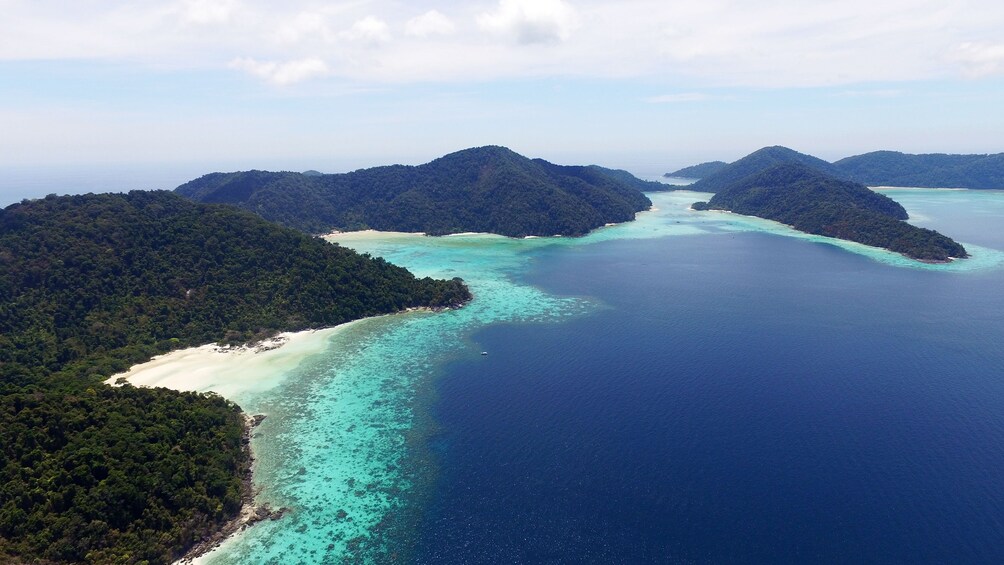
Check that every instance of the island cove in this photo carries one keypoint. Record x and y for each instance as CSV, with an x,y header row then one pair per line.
x,y
494,190
811,195
811,202
95,283
485,189
345,446
163,273
892,168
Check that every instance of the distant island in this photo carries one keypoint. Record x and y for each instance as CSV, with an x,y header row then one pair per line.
x,y
628,179
486,189
759,161
93,284
697,171
891,168
779,184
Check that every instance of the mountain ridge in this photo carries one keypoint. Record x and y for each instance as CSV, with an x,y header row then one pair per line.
x,y
812,201
897,169
483,189
755,162
92,284
931,170
698,171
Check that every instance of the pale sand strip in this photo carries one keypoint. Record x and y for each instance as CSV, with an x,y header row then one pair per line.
x,y
365,234
230,371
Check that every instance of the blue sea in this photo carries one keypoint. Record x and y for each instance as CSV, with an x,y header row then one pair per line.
x,y
685,388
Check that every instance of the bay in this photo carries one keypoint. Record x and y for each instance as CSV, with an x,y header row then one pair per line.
x,y
684,388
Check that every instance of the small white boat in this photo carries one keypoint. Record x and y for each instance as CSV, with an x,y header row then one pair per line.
x,y
484,353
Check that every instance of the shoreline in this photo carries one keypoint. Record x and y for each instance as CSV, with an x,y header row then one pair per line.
x,y
840,239
368,232
249,514
228,371
938,188
335,235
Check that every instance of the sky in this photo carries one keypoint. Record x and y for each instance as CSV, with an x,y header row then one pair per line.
x,y
191,85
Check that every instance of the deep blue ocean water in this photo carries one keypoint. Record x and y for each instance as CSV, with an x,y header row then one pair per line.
x,y
737,398
686,388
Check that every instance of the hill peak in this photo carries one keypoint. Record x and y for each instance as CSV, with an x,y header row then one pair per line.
x,y
760,160
482,189
484,151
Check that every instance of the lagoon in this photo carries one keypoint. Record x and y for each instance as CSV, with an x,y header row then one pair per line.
x,y
688,387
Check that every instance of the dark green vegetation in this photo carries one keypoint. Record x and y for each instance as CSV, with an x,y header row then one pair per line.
x,y
814,202
487,189
879,168
90,285
890,168
755,162
698,171
622,176
115,475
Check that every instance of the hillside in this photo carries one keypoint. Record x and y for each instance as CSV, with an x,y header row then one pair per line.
x,y
878,168
758,161
93,284
698,171
891,168
814,202
626,178
486,189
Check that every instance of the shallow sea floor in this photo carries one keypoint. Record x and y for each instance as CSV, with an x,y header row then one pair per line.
x,y
350,442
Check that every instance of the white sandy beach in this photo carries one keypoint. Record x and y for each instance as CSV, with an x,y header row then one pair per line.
x,y
233,372
363,234
914,188
230,372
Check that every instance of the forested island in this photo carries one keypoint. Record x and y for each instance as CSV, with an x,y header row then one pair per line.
x,y
892,168
93,284
800,195
936,170
629,179
697,171
486,189
756,162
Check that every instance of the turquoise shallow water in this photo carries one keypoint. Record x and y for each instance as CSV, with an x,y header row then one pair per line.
x,y
346,444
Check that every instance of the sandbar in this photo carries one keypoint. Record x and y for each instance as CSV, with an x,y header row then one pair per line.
x,y
230,371
364,234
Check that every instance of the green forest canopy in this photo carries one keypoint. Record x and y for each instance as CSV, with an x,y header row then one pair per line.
x,y
814,202
92,284
892,168
486,189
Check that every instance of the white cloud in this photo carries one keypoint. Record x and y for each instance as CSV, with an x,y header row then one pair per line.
x,y
876,93
429,23
980,59
531,21
304,25
369,30
677,98
284,73
700,46
204,12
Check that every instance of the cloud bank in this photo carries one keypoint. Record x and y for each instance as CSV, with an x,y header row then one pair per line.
x,y
429,24
531,21
282,73
715,43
